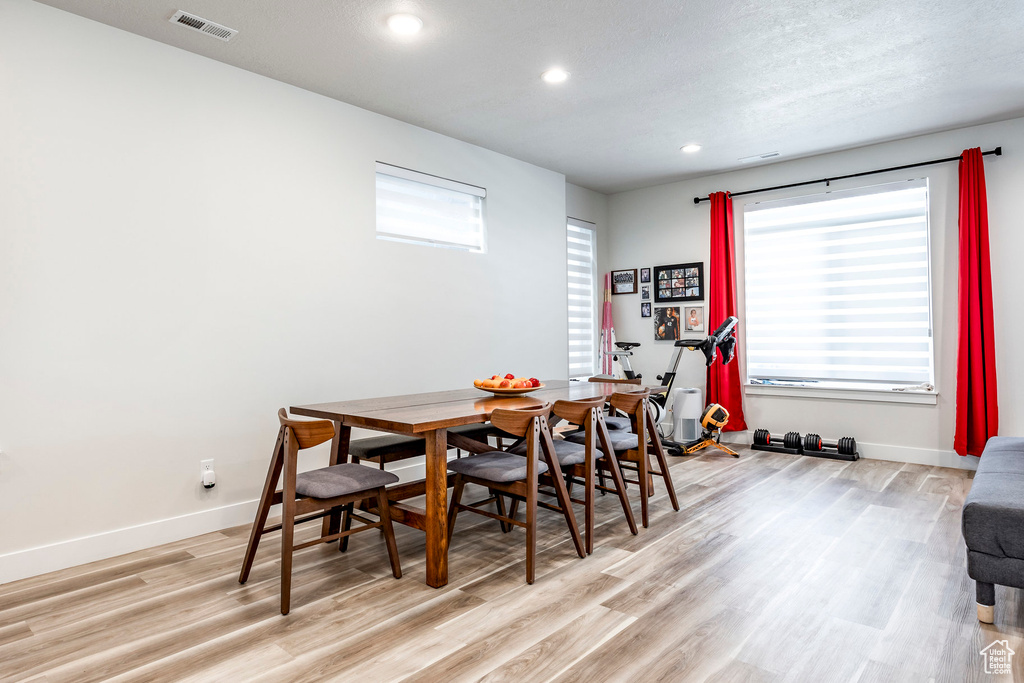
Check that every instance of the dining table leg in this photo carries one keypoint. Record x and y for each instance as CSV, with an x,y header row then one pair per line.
x,y
339,453
437,507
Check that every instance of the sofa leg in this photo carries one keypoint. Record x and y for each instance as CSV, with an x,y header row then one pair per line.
x,y
986,601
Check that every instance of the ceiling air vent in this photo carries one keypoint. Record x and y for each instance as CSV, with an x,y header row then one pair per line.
x,y
758,157
203,26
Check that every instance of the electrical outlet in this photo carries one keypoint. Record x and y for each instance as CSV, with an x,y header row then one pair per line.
x,y
206,474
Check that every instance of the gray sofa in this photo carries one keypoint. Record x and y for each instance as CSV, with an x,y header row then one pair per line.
x,y
993,521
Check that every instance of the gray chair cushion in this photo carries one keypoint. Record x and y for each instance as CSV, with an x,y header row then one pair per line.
x,y
496,466
621,441
341,480
617,422
567,452
396,446
477,431
993,513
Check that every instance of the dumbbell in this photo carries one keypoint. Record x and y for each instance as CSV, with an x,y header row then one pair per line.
x,y
847,445
762,437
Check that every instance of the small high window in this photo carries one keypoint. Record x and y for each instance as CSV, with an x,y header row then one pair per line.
x,y
424,209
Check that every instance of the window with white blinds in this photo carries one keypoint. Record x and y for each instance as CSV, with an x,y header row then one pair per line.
x,y
837,288
581,259
425,209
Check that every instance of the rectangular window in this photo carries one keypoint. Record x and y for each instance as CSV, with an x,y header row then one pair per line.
x,y
837,288
581,257
424,209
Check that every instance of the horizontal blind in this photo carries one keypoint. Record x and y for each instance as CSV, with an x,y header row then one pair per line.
x,y
837,287
416,207
581,257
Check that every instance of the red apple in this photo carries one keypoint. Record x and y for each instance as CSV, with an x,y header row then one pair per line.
x,y
505,384
534,382
510,376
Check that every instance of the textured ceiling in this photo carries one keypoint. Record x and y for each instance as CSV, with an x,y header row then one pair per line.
x,y
742,78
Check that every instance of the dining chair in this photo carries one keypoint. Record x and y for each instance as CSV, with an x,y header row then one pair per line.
x,y
307,496
579,462
616,422
507,474
633,448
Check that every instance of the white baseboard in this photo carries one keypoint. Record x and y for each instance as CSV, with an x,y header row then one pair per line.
x,y
34,561
919,456
881,451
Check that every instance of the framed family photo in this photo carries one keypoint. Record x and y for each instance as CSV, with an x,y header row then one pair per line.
x,y
645,292
693,318
645,309
624,281
645,275
679,282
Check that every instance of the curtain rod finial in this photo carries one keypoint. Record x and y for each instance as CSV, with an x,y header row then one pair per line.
x,y
999,151
696,200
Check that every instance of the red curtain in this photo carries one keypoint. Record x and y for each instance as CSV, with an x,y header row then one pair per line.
x,y
723,380
977,410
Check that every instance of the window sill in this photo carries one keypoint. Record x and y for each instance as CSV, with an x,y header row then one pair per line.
x,y
876,395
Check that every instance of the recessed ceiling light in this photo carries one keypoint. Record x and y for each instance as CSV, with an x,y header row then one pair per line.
x,y
555,75
690,149
405,24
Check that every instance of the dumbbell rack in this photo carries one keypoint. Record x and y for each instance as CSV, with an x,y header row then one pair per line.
x,y
811,444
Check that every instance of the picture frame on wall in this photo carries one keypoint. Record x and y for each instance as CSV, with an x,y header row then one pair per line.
x,y
624,281
645,275
666,323
645,309
645,292
693,318
679,282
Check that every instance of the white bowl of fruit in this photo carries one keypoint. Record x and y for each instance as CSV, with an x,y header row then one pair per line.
x,y
509,385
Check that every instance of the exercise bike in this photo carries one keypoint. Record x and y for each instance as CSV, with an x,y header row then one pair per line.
x,y
622,355
723,339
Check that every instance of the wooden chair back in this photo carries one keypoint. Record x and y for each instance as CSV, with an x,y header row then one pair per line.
x,y
577,412
629,402
307,433
615,380
518,421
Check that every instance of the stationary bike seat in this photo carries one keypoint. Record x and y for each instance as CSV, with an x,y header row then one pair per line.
x,y
626,346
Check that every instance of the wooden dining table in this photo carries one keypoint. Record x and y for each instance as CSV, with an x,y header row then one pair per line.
x,y
430,415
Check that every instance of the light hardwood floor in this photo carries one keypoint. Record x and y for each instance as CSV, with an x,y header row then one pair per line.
x,y
778,568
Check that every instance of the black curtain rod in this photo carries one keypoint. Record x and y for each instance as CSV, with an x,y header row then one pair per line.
x,y
998,151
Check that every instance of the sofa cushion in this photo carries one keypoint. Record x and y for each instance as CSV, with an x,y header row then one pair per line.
x,y
993,513
341,480
1003,454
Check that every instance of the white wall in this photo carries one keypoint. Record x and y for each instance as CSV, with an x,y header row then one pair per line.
x,y
185,247
660,225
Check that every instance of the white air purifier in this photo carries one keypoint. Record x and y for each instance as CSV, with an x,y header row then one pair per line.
x,y
686,408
